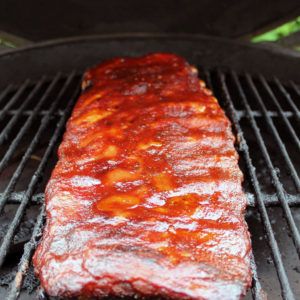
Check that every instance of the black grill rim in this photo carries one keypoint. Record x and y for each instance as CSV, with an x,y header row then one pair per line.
x,y
84,51
141,35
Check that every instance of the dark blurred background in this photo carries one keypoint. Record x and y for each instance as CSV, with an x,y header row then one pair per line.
x,y
23,22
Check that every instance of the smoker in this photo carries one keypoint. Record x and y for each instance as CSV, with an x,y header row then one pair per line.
x,y
259,89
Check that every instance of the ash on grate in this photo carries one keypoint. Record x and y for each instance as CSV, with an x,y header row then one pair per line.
x,y
7,278
30,283
24,231
23,234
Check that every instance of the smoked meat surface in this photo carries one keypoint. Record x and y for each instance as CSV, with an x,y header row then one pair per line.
x,y
146,197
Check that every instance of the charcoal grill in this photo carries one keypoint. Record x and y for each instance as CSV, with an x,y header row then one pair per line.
x,y
259,90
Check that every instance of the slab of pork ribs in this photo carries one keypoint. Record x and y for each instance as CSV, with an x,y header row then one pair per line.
x,y
146,197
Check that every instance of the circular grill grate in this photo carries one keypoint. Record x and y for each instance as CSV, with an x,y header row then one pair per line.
x,y
265,116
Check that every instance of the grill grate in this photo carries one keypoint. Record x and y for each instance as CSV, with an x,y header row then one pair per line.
x,y
265,117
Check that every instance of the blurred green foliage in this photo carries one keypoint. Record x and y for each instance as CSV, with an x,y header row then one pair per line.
x,y
6,43
279,32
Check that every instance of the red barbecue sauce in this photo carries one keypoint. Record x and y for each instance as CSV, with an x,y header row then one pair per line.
x,y
148,152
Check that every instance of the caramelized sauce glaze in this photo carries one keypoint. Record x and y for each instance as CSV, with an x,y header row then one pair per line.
x,y
146,197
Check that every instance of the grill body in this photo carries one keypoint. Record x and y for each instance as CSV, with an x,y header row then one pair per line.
x,y
257,88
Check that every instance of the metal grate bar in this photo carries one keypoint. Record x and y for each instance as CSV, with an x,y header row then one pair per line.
x,y
16,197
240,113
33,143
272,199
286,290
14,99
280,110
29,112
276,182
269,199
257,113
7,239
7,129
275,133
296,89
288,97
256,289
5,92
29,247
26,126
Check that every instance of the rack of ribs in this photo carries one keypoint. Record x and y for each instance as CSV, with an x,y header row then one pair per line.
x,y
146,197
